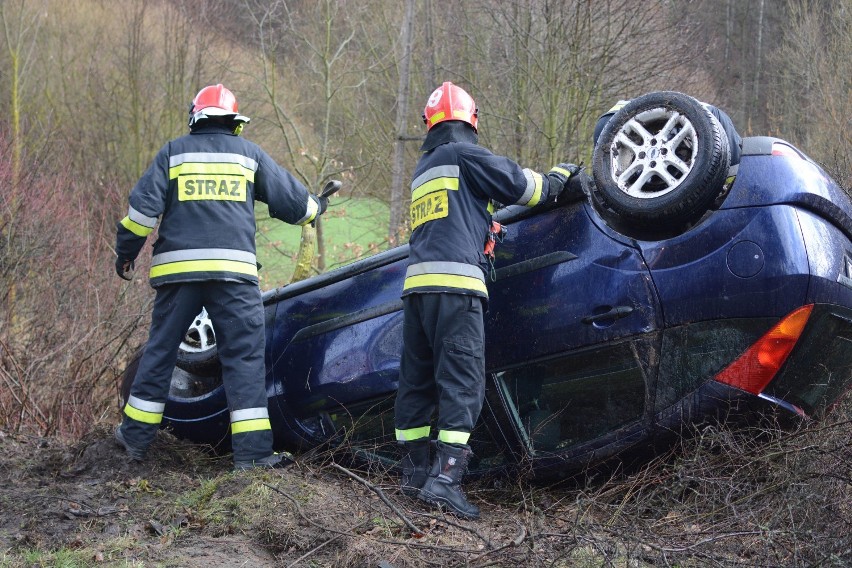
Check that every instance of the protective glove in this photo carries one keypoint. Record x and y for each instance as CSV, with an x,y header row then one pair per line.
x,y
558,177
322,205
124,268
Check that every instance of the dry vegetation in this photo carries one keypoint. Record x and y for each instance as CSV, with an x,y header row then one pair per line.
x,y
91,89
722,498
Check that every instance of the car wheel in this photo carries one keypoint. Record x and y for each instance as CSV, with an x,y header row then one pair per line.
x,y
185,385
661,161
198,353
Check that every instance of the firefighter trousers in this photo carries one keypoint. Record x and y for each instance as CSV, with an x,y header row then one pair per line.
x,y
236,310
442,367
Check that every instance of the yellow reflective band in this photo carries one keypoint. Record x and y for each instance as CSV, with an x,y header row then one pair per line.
x,y
452,437
730,179
211,168
536,197
310,212
142,416
617,106
436,117
412,434
197,187
429,207
445,281
461,115
250,426
135,228
562,171
490,207
435,185
203,266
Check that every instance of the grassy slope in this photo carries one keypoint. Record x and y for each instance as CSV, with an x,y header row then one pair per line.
x,y
353,228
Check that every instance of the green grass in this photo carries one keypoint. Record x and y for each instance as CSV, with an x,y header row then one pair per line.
x,y
353,228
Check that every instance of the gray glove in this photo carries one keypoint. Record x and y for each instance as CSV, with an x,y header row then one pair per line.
x,y
558,177
124,268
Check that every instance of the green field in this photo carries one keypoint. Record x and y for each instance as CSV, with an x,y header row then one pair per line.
x,y
353,228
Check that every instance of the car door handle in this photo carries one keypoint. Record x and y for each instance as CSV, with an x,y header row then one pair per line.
x,y
615,313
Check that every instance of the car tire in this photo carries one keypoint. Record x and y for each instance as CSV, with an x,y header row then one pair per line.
x,y
198,353
660,162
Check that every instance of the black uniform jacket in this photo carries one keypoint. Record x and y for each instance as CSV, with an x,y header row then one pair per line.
x,y
454,183
202,187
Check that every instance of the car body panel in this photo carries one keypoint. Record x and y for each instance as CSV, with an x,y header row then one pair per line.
x,y
568,301
600,341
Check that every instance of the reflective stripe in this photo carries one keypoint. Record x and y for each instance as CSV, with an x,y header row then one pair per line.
x,y
249,414
146,405
203,266
213,158
141,219
453,437
436,117
433,173
204,254
562,171
412,434
250,426
443,267
462,115
732,174
144,411
311,213
617,106
433,185
135,228
445,281
532,193
204,168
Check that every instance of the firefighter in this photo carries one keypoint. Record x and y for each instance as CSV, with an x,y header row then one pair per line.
x,y
444,294
200,190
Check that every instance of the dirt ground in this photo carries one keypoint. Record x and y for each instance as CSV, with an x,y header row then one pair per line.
x,y
723,500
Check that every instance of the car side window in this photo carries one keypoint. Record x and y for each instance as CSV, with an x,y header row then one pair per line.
x,y
575,399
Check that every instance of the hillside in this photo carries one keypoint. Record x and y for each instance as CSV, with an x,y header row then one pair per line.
x,y
723,499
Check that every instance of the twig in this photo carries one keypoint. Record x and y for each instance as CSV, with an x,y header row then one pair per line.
x,y
308,519
314,549
417,532
517,541
447,521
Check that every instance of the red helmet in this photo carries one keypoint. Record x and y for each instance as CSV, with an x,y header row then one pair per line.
x,y
214,100
449,102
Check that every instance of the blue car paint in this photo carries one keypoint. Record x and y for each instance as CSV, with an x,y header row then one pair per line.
x,y
564,281
693,275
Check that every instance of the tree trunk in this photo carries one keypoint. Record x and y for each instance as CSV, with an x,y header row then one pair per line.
x,y
398,166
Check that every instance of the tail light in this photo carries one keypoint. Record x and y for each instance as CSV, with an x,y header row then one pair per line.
x,y
781,149
755,368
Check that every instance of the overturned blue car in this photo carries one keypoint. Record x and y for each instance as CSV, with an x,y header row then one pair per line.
x,y
672,289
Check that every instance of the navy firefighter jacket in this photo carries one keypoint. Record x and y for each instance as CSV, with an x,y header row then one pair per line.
x,y
202,187
453,186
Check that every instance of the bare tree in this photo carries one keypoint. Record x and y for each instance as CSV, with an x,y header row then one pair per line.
x,y
398,165
318,38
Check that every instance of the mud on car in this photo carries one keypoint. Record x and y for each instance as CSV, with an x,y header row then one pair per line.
x,y
666,293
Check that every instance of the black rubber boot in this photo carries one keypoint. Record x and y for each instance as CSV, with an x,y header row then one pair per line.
x,y
415,466
136,454
443,486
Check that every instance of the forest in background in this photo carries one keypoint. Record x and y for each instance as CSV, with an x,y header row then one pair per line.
x,y
335,88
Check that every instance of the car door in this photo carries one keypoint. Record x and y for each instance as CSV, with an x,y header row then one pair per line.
x,y
571,337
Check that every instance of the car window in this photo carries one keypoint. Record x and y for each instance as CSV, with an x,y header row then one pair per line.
x,y
575,399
